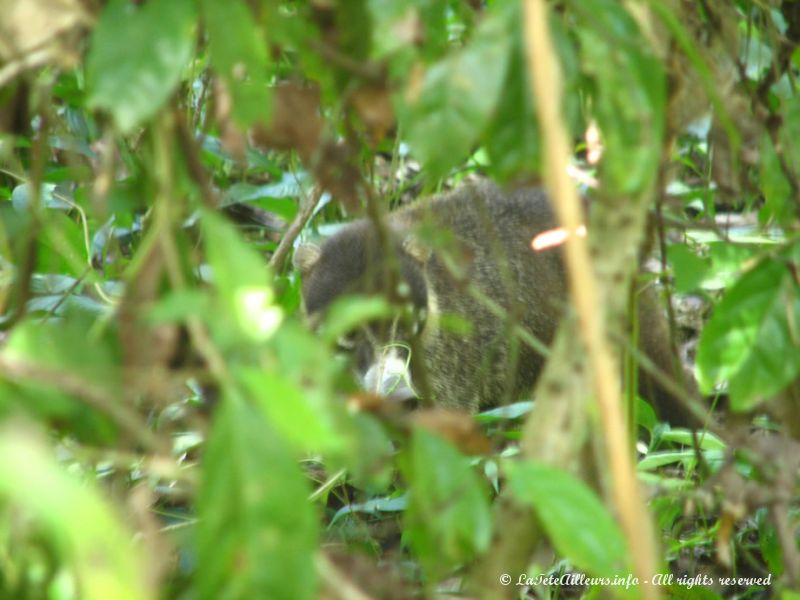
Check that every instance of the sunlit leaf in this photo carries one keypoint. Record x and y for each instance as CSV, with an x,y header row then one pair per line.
x,y
72,517
241,279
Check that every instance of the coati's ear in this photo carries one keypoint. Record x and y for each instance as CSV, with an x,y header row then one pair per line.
x,y
305,257
416,249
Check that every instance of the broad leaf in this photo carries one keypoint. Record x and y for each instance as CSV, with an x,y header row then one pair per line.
x,y
577,522
751,340
239,55
301,416
242,280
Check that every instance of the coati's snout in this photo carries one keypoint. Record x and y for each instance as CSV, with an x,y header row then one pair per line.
x,y
382,359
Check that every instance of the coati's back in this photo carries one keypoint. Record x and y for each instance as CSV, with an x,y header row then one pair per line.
x,y
466,264
488,265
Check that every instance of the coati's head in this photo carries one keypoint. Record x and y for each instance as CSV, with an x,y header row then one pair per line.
x,y
353,262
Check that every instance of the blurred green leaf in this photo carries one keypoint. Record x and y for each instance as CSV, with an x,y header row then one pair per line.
x,y
72,517
513,141
576,521
629,93
768,543
468,83
749,340
257,531
776,188
348,312
303,417
239,55
448,520
137,57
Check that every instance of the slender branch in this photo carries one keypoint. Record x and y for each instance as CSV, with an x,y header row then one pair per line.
x,y
545,79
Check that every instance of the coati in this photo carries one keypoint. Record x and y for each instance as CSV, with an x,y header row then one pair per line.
x,y
463,262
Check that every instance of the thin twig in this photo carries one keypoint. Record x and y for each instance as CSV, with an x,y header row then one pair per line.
x,y
303,215
337,582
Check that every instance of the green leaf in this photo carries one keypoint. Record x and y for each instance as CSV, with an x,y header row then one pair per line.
x,y
690,269
302,416
751,338
576,521
448,519
257,532
458,94
728,261
513,141
240,58
83,530
137,57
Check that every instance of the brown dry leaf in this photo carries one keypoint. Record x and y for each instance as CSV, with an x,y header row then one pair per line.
x,y
457,427
296,122
232,137
361,577
337,171
374,105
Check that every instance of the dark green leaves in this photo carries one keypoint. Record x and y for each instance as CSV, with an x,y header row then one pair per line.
x,y
257,531
578,524
138,56
751,340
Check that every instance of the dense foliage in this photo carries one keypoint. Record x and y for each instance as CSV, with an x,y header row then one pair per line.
x,y
170,427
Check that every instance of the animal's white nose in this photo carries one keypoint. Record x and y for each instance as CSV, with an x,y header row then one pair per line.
x,y
389,376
